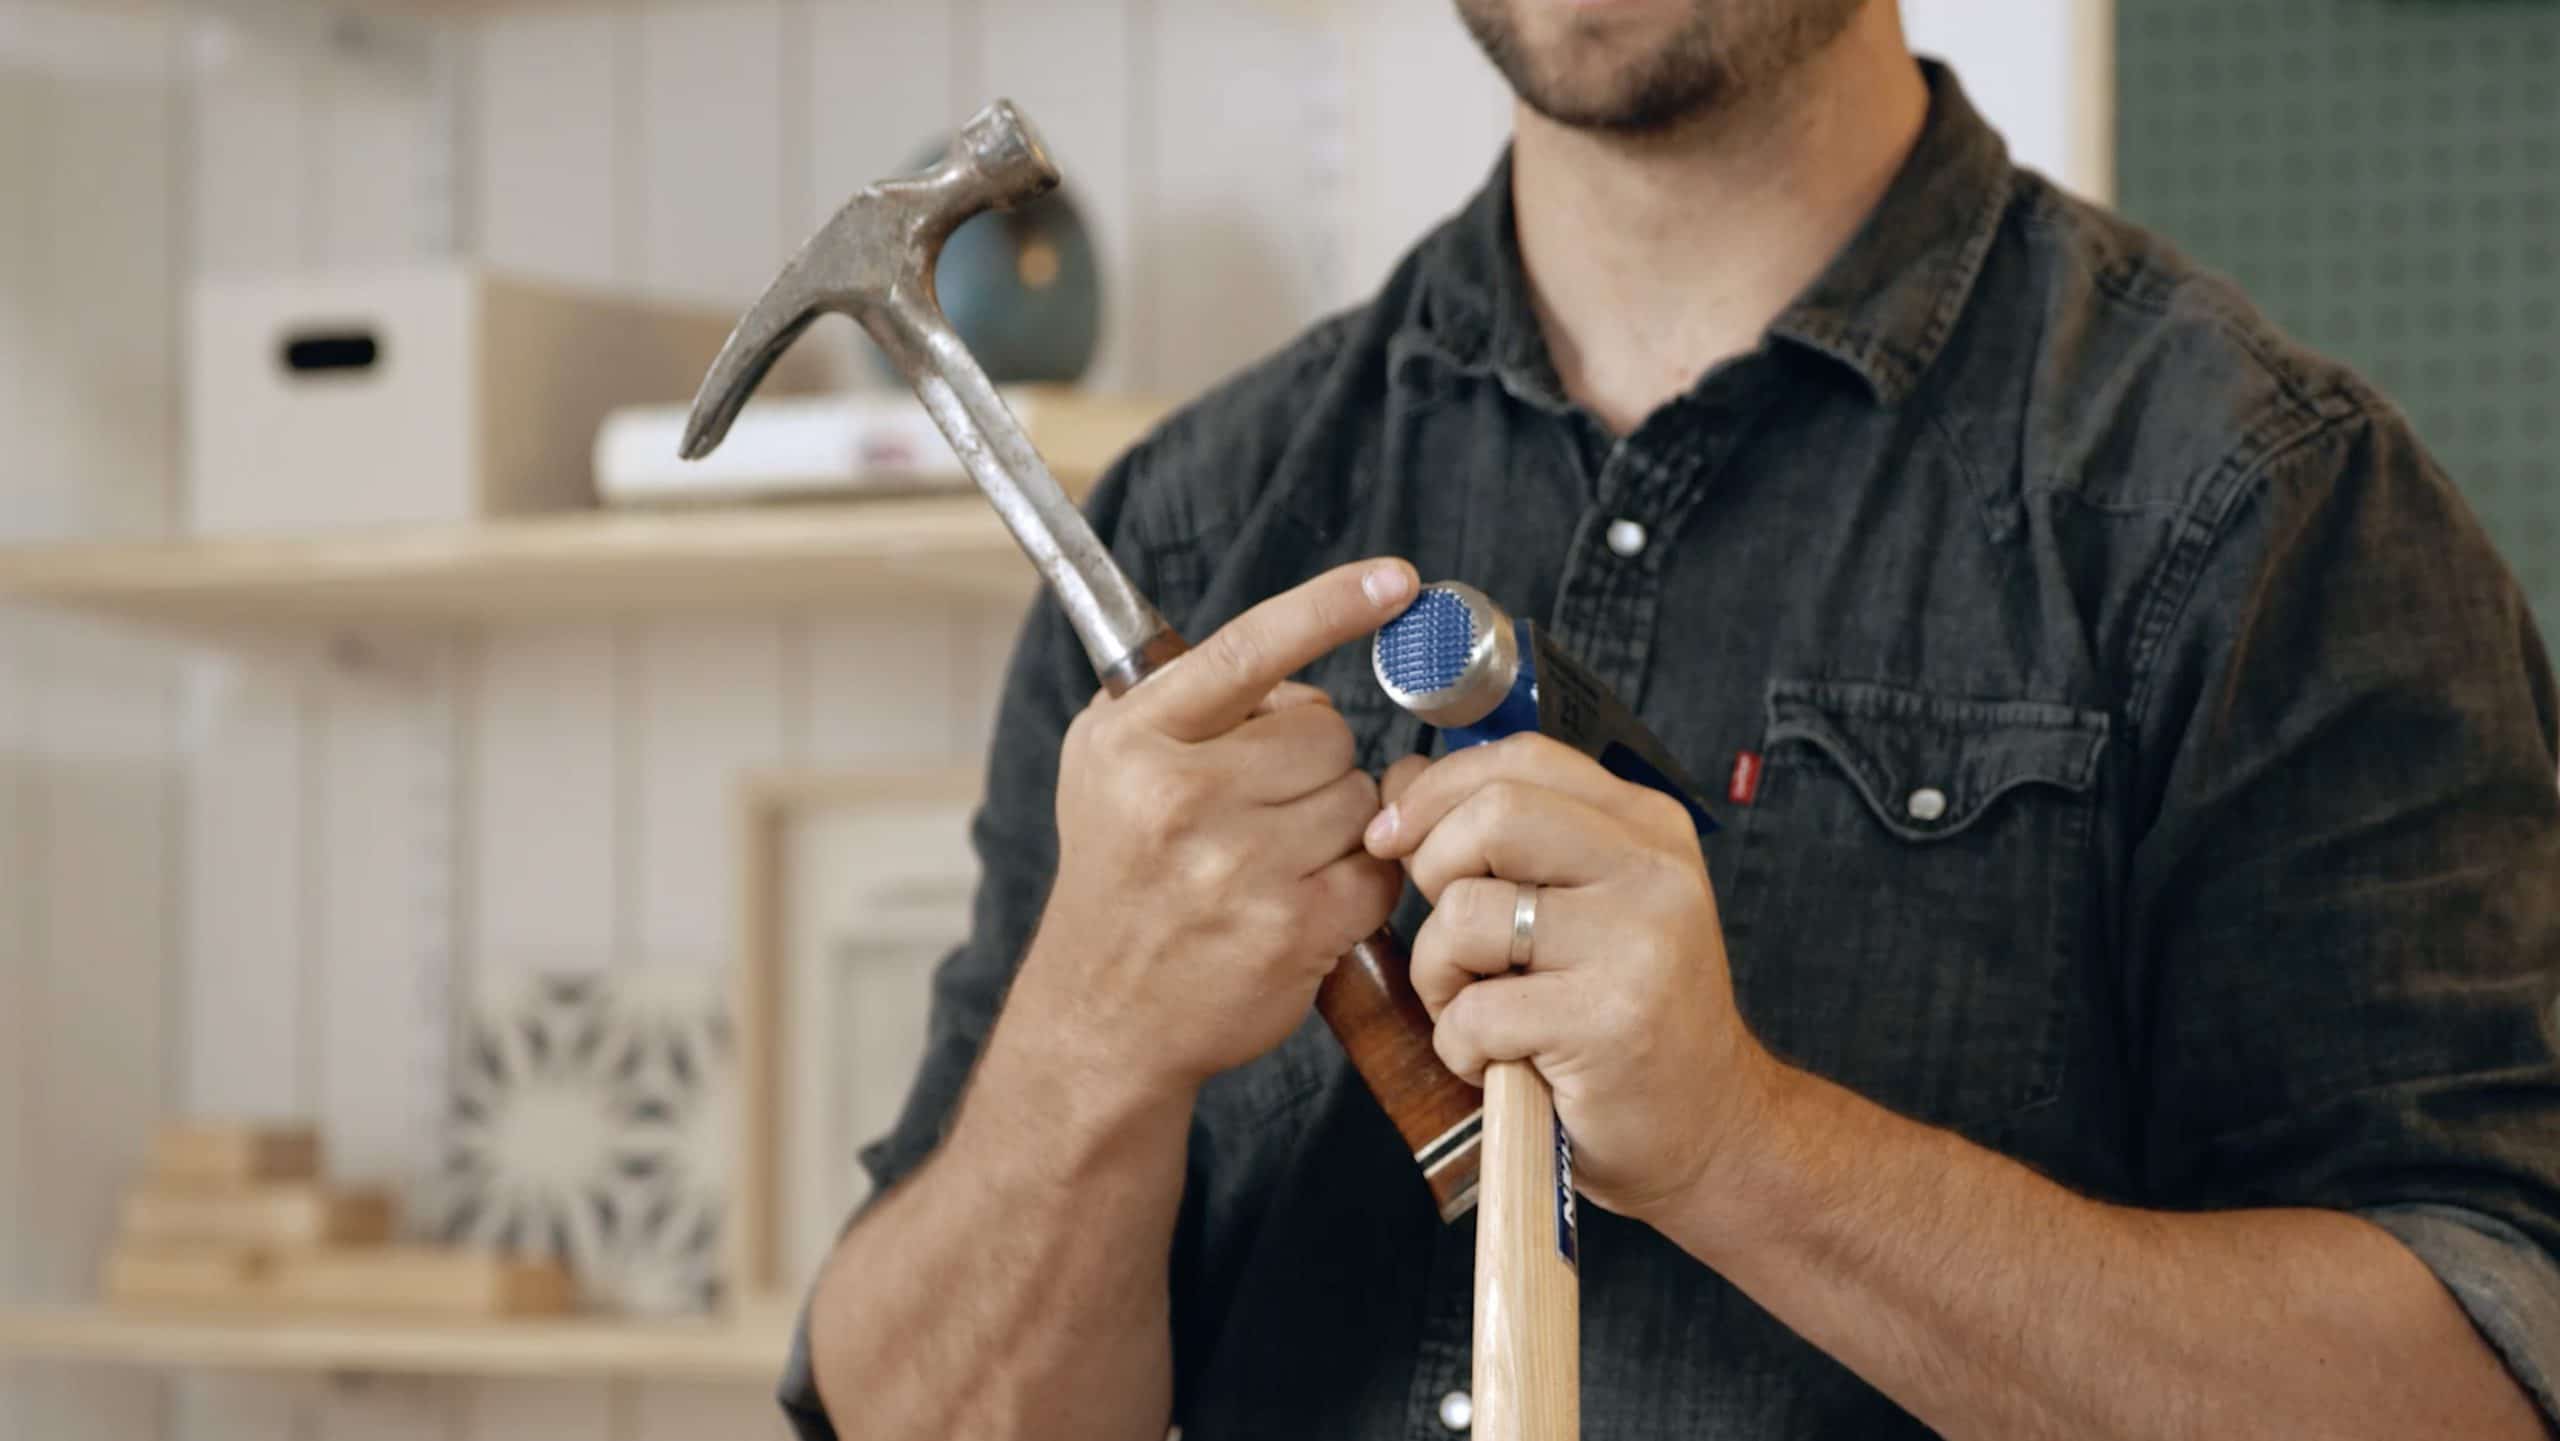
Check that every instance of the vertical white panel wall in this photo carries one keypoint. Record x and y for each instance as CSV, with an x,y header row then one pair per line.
x,y
90,173
2041,71
316,141
1426,116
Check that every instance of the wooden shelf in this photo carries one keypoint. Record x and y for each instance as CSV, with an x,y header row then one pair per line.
x,y
771,558
739,1351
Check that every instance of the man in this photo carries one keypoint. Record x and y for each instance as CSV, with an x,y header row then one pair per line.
x,y
2122,1005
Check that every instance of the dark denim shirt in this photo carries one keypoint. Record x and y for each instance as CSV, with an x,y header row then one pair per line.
x,y
2156,777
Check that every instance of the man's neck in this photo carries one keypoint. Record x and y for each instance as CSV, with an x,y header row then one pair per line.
x,y
1650,258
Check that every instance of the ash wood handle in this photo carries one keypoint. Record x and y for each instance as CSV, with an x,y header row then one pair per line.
x,y
1369,1001
1528,1324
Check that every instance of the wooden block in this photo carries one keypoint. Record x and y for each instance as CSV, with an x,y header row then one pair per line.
x,y
233,1153
227,1277
287,1216
421,1281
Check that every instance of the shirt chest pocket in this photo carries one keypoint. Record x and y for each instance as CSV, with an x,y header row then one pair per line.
x,y
1906,909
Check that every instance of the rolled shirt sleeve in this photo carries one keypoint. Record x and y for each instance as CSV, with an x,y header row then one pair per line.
x,y
2346,904
2504,1280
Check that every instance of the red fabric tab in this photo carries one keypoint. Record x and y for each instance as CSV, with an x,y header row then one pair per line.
x,y
1746,778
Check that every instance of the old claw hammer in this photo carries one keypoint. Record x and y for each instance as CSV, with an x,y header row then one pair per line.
x,y
874,261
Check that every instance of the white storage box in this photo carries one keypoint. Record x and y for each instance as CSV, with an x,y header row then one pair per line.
x,y
421,394
845,445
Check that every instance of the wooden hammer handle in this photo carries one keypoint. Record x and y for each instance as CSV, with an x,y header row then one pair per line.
x,y
1528,1327
1370,1003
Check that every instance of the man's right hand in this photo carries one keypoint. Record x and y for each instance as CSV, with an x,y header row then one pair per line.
x,y
1210,869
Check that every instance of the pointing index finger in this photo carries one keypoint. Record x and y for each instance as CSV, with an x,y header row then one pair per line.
x,y
1214,688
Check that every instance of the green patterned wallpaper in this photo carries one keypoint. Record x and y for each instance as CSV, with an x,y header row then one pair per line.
x,y
2383,176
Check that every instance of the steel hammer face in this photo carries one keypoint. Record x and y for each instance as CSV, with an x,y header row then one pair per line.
x,y
1000,151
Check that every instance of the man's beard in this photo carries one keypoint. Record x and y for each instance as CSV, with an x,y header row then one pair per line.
x,y
1720,50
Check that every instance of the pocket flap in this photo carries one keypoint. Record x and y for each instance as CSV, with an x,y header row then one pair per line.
x,y
1930,765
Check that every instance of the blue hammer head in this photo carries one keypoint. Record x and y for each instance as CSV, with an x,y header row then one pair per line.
x,y
1457,661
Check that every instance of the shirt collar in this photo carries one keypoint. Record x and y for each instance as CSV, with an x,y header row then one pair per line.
x,y
1883,307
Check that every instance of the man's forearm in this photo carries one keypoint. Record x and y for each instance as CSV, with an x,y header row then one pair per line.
x,y
1990,1302
1016,1284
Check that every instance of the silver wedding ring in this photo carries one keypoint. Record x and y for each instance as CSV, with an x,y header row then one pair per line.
x,y
1524,924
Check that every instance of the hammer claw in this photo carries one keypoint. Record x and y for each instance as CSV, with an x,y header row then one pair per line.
x,y
752,349
825,275
874,261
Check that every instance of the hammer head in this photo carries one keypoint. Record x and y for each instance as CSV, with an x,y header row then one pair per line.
x,y
874,261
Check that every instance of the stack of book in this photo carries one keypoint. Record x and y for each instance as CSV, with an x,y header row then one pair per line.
x,y
239,1216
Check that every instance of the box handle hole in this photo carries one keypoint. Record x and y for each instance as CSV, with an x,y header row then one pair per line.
x,y
331,351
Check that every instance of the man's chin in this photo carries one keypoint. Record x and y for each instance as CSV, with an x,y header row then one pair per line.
x,y
1640,66
1602,65
1614,97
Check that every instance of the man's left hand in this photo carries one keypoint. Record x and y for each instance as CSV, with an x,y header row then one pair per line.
x,y
1626,1006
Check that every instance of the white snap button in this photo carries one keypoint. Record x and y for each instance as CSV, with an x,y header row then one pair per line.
x,y
1457,1410
1626,537
1926,804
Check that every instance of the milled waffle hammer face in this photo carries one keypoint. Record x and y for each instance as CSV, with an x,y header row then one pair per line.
x,y
1425,651
1450,658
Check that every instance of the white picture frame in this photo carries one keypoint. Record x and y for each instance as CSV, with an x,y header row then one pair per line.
x,y
852,886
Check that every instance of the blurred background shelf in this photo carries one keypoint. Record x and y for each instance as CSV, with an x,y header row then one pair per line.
x,y
749,1352
769,559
